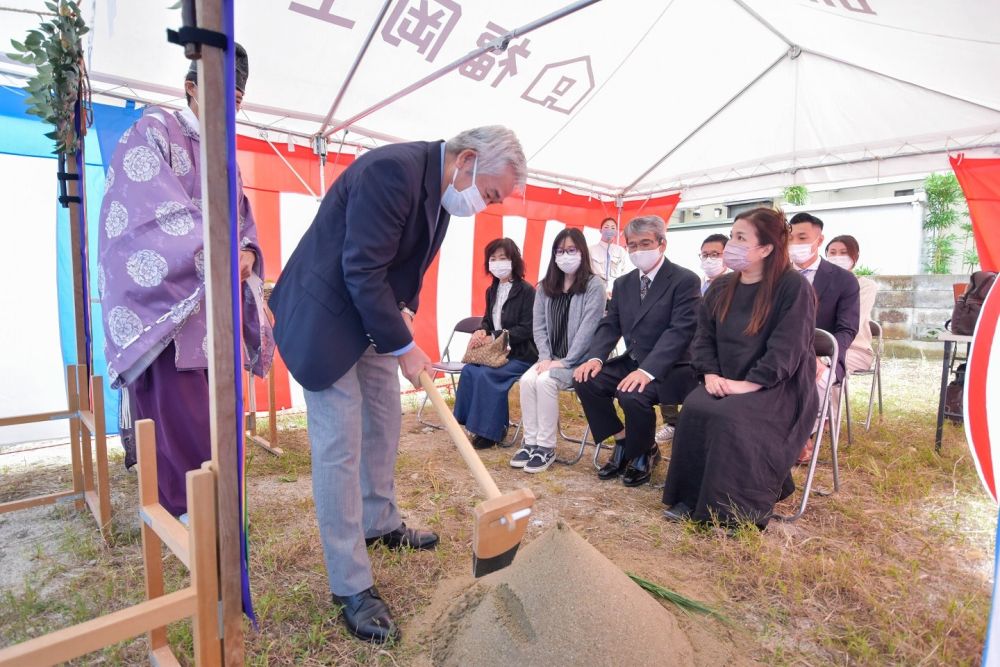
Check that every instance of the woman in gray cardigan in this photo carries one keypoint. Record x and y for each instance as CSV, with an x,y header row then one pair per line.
x,y
569,302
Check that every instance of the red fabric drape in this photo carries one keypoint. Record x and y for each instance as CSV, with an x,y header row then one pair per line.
x,y
980,181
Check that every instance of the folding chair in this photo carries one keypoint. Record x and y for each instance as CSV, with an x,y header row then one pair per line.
x,y
583,442
446,366
876,372
825,345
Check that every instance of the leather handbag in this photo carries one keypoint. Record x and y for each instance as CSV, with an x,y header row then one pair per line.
x,y
492,354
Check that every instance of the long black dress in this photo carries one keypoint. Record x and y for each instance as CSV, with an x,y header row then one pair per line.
x,y
731,454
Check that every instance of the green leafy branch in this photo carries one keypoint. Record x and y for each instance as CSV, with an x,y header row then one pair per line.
x,y
55,49
796,195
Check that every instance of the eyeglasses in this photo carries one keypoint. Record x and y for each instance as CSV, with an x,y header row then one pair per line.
x,y
710,255
645,244
567,251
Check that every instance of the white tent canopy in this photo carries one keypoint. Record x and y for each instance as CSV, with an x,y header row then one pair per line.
x,y
712,97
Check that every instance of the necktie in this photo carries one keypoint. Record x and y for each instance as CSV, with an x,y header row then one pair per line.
x,y
644,282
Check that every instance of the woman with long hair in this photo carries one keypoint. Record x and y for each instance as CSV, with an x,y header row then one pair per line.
x,y
569,303
740,432
481,399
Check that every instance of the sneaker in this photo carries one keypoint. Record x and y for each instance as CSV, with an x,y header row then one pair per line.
x,y
665,434
479,442
541,458
521,456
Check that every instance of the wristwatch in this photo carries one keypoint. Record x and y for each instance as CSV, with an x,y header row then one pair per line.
x,y
403,308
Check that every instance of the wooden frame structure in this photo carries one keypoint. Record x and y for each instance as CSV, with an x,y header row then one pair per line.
x,y
85,412
270,443
195,546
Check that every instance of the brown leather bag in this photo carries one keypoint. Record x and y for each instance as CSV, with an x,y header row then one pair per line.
x,y
966,311
493,354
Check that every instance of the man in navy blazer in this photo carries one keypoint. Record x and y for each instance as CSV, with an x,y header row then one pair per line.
x,y
343,309
838,301
654,309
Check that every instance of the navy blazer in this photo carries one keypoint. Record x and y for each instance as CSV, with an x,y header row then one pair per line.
x,y
658,329
376,232
838,307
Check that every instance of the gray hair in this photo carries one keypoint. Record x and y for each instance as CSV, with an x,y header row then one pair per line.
x,y
647,224
496,146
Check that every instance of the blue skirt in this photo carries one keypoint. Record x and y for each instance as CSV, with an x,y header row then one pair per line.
x,y
481,399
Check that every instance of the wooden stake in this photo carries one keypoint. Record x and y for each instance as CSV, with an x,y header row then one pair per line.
x,y
152,549
101,445
204,565
73,405
226,425
73,188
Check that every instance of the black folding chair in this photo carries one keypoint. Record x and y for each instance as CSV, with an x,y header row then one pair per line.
x,y
448,367
451,368
825,345
876,372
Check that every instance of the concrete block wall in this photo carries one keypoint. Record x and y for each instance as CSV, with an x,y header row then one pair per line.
x,y
914,308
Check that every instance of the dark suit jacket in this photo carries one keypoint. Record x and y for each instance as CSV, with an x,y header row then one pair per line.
x,y
658,329
838,307
516,317
365,253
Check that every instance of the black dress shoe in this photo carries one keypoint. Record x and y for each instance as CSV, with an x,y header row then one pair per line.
x,y
404,537
479,442
678,512
616,464
367,617
641,469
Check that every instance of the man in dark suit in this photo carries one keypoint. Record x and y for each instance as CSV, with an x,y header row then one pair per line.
x,y
653,308
343,309
838,304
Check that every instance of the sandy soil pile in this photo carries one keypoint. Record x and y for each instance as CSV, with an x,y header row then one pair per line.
x,y
560,603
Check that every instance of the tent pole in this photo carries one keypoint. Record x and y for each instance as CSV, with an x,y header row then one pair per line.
x,y
290,167
354,66
498,44
764,22
706,122
864,160
213,101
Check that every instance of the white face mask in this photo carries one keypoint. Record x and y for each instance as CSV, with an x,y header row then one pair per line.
x,y
500,268
463,203
608,235
645,260
843,261
568,263
800,252
712,266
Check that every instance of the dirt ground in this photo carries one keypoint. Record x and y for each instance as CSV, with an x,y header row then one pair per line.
x,y
895,569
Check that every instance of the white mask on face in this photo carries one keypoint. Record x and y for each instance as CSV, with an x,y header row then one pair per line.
x,y
500,268
568,263
843,261
800,252
608,235
463,203
645,260
712,266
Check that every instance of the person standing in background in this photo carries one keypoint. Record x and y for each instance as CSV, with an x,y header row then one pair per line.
x,y
608,260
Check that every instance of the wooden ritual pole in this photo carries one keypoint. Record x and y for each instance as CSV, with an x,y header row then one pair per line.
x,y
226,425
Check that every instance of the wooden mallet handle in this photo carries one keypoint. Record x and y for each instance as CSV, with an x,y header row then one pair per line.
x,y
465,448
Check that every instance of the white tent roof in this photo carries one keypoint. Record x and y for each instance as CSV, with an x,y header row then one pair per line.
x,y
711,96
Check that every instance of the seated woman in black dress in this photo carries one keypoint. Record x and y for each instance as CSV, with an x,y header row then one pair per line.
x,y
740,432
481,399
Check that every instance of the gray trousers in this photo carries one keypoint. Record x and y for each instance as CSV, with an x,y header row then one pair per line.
x,y
354,433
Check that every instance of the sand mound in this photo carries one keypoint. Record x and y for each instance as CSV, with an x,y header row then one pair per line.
x,y
560,603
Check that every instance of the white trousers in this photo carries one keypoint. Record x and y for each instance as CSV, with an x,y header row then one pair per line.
x,y
539,408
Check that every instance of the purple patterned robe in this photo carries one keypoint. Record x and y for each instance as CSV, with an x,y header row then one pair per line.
x,y
151,271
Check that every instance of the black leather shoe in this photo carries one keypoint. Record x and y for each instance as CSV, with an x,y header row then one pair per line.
x,y
678,512
479,442
404,537
616,464
641,469
367,617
